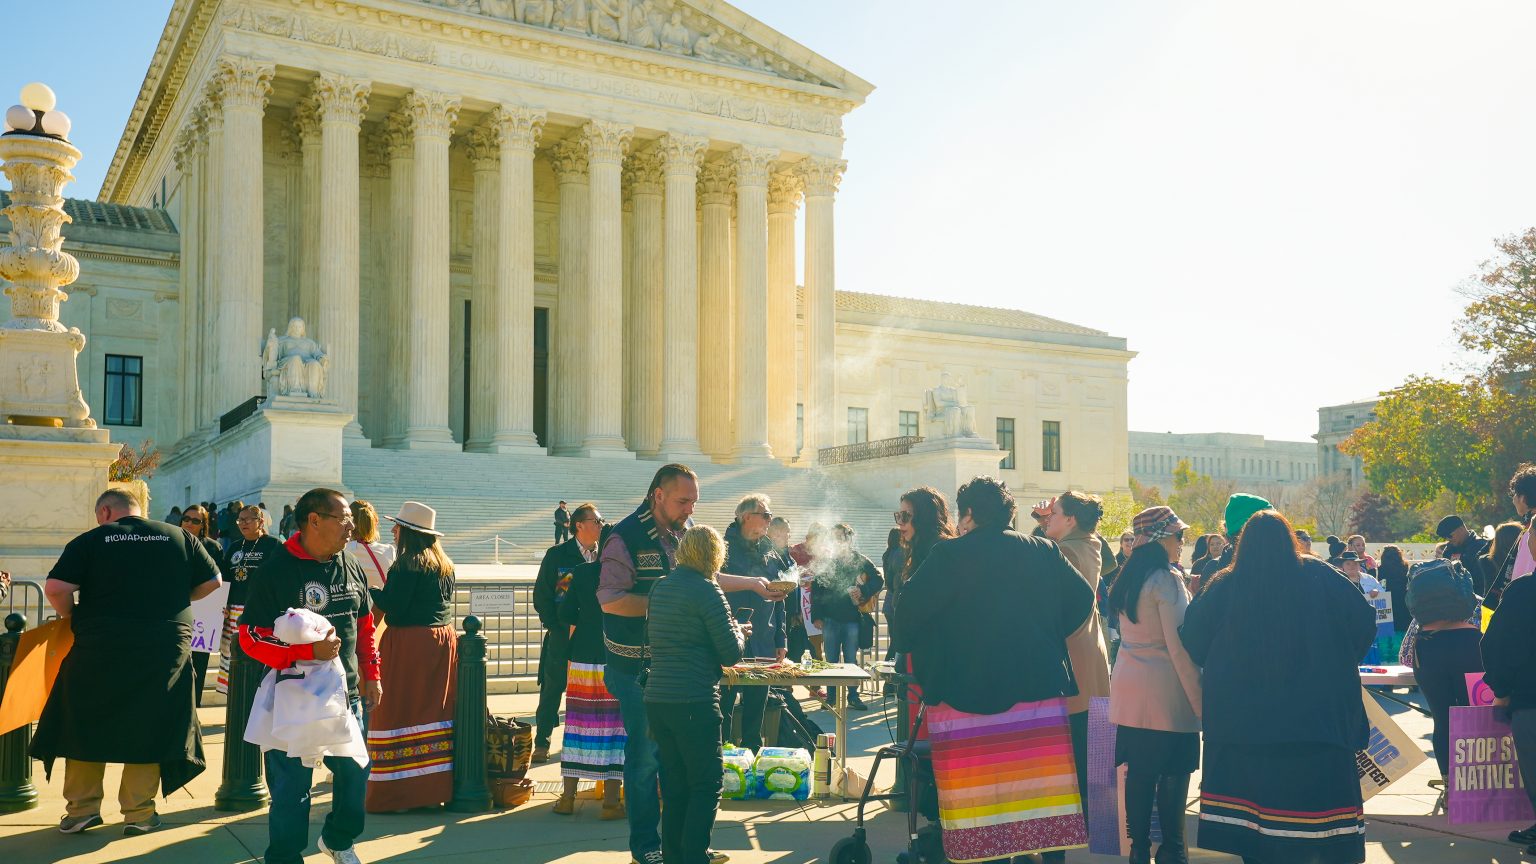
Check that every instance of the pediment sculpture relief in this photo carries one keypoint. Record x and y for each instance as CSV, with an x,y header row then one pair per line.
x,y
658,25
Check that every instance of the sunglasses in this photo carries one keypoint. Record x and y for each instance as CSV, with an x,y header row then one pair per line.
x,y
902,517
195,520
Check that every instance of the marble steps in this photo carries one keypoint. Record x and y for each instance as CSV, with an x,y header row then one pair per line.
x,y
480,495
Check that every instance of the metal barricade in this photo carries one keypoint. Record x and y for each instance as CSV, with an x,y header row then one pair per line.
x,y
514,637
28,599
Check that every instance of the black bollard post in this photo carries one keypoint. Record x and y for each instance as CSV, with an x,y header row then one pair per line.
x,y
16,790
471,792
243,788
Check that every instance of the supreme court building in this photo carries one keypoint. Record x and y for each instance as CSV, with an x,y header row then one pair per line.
x,y
562,227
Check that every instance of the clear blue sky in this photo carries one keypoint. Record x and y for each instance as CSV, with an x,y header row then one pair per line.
x,y
1275,202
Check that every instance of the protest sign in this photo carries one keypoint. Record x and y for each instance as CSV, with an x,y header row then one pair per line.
x,y
1389,754
1478,691
208,620
1104,802
39,654
1484,783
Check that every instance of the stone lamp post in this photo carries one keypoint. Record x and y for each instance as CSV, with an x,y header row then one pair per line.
x,y
39,385
52,456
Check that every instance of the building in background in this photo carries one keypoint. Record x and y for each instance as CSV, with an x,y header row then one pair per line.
x,y
1334,424
1251,460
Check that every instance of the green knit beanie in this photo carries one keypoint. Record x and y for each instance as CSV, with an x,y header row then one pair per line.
x,y
1240,508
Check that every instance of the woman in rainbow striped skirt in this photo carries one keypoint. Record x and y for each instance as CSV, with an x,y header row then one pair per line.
x,y
985,620
1278,636
593,744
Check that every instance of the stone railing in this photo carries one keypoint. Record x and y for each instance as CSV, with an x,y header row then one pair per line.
x,y
867,450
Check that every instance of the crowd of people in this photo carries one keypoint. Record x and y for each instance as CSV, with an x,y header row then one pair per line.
x,y
1242,665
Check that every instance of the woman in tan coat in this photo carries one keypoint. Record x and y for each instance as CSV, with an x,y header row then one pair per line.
x,y
1155,694
1071,522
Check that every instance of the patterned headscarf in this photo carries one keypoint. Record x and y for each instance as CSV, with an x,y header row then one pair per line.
x,y
1155,523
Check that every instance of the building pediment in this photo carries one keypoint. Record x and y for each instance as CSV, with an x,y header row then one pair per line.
x,y
711,32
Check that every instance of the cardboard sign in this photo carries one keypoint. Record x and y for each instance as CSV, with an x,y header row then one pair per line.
x,y
1104,803
1389,754
39,654
1484,783
208,620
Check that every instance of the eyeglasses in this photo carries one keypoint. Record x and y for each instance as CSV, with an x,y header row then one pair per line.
x,y
902,517
195,520
763,513
345,520
598,521
247,520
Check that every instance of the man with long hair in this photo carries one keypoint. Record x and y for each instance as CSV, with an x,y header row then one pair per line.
x,y
640,551
991,593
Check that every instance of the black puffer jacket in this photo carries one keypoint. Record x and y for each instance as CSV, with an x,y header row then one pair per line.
x,y
692,635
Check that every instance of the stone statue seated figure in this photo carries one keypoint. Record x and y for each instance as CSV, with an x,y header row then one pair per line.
x,y
948,412
294,364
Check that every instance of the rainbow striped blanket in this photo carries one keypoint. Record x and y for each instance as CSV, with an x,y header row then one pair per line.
x,y
1007,782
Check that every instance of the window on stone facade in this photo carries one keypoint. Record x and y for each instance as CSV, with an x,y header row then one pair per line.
x,y
1005,442
906,423
858,425
1050,445
125,390
799,426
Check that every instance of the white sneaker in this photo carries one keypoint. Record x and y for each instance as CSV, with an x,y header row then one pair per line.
x,y
341,856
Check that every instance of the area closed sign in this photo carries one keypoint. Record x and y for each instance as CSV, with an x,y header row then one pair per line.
x,y
492,602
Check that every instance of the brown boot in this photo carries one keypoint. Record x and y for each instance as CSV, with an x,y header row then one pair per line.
x,y
540,754
565,805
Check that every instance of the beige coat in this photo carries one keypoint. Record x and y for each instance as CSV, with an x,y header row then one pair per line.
x,y
1085,648
1156,684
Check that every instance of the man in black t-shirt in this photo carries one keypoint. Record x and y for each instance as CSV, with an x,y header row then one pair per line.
x,y
314,571
124,692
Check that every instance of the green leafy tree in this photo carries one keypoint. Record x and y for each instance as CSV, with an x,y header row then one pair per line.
x,y
1500,321
1145,496
1199,500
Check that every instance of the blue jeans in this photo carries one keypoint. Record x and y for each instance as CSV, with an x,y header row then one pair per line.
x,y
288,818
840,642
642,793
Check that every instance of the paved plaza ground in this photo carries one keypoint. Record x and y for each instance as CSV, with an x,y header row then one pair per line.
x,y
1399,828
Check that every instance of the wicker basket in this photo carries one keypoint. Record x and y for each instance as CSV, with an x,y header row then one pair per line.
x,y
511,793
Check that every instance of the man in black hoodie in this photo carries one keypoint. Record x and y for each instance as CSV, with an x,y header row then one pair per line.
x,y
749,552
843,583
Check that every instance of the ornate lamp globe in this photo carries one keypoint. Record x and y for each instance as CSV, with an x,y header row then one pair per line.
x,y
37,114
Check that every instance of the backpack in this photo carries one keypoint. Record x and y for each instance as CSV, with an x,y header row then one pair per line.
x,y
1441,590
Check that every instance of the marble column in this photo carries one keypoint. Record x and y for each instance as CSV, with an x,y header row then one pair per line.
x,y
568,393
340,102
400,146
643,326
680,288
751,367
715,328
243,88
512,345
484,148
188,145
821,177
603,430
783,371
211,236
306,116
426,369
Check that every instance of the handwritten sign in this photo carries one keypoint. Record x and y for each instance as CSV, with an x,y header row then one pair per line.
x,y
1389,754
1484,783
208,620
492,602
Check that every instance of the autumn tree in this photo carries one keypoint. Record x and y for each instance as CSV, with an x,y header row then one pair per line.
x,y
1500,320
1199,500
